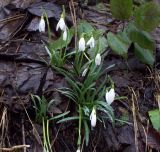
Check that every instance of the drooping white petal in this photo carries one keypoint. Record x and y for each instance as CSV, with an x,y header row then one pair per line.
x,y
91,42
65,35
110,96
84,72
78,150
98,59
41,26
82,44
61,24
93,117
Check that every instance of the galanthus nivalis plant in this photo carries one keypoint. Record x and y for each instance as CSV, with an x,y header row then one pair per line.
x,y
82,44
110,96
41,26
91,42
98,59
93,117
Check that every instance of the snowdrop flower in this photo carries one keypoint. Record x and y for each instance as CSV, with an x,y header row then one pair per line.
x,y
61,24
93,117
91,42
82,44
84,72
65,35
110,95
78,150
98,59
41,26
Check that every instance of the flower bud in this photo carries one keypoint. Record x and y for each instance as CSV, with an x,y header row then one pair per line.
x,y
98,59
93,117
91,42
110,95
82,44
41,26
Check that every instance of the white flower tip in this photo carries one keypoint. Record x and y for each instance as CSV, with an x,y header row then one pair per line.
x,y
110,96
82,44
65,35
98,59
41,26
93,117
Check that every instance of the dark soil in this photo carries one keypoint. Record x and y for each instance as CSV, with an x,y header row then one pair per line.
x,y
24,71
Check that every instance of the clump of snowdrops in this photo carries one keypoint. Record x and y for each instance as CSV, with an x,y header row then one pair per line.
x,y
89,87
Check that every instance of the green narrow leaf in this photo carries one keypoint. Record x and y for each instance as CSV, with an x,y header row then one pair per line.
x,y
118,44
142,38
147,16
60,115
68,119
144,55
121,9
86,132
155,118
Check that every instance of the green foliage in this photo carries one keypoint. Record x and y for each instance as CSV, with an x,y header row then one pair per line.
x,y
41,107
57,49
145,55
86,94
84,27
118,43
142,38
147,16
155,118
121,9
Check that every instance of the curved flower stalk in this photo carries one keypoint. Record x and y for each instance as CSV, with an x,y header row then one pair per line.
x,y
82,44
110,96
91,42
41,26
93,117
98,59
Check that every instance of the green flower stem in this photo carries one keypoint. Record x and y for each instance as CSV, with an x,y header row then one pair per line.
x,y
80,124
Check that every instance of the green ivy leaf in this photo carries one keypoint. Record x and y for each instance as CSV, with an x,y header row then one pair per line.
x,y
118,43
147,16
144,55
142,38
155,118
121,9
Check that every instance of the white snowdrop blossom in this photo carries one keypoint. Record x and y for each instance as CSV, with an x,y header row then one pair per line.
x,y
84,72
41,26
82,44
110,96
91,42
78,150
93,117
61,24
98,59
65,35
